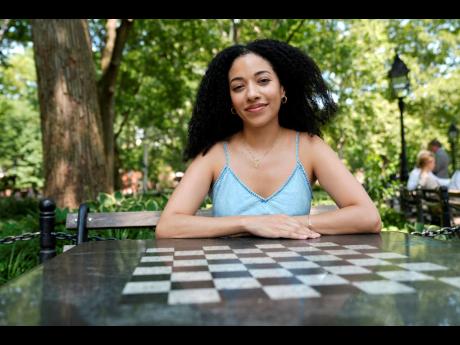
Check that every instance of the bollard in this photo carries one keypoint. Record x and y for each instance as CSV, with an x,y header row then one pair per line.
x,y
444,195
82,231
46,222
418,193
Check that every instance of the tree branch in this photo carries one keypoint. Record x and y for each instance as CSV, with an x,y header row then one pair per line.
x,y
109,75
123,122
293,32
109,44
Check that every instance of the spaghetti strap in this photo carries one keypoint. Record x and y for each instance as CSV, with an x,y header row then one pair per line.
x,y
227,155
297,147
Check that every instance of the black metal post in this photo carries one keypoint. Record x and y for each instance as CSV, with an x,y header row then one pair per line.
x,y
404,174
82,230
418,200
444,195
454,154
46,222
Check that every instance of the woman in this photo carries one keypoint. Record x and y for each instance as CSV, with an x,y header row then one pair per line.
x,y
254,138
422,176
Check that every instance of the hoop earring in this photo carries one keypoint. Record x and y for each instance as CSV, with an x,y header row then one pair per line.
x,y
284,99
233,111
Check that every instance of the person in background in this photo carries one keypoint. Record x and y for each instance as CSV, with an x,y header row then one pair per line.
x,y
422,175
441,159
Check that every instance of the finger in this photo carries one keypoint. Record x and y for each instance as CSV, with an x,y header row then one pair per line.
x,y
313,234
308,232
289,233
303,233
298,236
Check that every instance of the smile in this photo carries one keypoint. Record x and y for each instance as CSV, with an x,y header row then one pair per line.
x,y
256,108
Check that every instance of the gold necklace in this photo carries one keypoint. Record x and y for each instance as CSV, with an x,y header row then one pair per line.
x,y
256,161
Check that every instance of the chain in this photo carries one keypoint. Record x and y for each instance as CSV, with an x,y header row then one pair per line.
x,y
59,236
23,237
65,236
447,231
256,161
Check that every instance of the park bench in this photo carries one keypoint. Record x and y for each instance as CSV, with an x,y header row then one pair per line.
x,y
438,206
85,220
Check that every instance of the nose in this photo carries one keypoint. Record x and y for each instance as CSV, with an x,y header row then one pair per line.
x,y
252,91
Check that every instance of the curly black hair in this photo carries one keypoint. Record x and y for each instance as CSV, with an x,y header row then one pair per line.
x,y
309,107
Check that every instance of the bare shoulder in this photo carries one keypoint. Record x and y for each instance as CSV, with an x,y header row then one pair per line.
x,y
312,144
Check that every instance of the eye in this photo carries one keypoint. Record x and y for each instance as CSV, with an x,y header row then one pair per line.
x,y
264,81
237,87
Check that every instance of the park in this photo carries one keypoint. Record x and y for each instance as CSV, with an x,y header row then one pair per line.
x,y
98,122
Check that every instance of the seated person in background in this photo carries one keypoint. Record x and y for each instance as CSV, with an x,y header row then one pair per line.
x,y
422,175
441,159
455,181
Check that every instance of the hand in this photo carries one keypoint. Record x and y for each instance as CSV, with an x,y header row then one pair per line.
x,y
278,226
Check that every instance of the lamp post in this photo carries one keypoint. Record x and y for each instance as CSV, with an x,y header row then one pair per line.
x,y
453,137
399,82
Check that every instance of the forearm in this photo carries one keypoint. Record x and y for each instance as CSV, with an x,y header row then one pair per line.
x,y
347,220
190,226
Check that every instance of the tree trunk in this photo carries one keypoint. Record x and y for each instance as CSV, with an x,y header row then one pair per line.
x,y
111,59
72,134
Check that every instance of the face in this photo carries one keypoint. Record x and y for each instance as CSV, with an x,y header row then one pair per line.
x,y
433,148
255,90
431,164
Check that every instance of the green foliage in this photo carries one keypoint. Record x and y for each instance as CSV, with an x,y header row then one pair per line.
x,y
320,196
157,84
21,216
164,60
20,256
20,139
12,208
391,219
117,202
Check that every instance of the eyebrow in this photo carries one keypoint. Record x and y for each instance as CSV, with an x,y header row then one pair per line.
x,y
255,75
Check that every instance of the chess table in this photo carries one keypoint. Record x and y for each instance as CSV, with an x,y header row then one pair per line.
x,y
386,279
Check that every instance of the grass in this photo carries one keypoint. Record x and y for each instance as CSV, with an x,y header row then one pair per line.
x,y
20,256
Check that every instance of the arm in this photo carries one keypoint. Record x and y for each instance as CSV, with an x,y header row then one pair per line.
x,y
357,213
442,164
178,219
414,177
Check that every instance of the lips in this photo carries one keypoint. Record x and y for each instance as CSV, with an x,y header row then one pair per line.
x,y
256,107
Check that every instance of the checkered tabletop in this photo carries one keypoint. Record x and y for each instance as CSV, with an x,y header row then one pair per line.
x,y
276,271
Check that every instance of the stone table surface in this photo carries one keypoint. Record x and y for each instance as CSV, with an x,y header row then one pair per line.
x,y
385,279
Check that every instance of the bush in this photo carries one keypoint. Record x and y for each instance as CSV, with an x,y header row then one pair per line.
x,y
12,208
21,216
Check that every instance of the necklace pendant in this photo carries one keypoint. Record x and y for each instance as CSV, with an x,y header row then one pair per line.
x,y
256,163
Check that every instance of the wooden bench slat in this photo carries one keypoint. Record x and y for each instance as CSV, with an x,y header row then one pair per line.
x,y
144,219
107,220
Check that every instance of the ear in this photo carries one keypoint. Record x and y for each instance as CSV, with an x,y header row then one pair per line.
x,y
283,92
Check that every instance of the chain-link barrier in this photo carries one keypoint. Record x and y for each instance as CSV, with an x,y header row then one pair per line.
x,y
58,235
446,231
23,237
